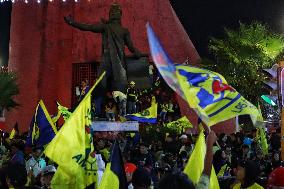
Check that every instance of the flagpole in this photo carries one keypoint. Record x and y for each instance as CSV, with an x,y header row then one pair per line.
x,y
237,124
209,130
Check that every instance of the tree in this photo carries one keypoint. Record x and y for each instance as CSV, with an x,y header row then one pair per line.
x,y
242,54
8,89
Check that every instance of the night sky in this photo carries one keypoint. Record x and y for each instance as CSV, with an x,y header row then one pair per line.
x,y
205,18
5,20
201,19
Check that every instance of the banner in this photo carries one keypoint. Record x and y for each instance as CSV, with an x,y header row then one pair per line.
x,y
115,126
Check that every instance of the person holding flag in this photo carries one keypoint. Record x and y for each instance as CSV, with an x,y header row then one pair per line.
x,y
197,173
207,92
77,166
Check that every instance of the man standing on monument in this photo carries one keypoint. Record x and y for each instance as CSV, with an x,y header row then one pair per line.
x,y
114,38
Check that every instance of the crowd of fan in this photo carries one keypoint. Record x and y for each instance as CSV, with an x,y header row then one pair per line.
x,y
116,104
148,158
154,157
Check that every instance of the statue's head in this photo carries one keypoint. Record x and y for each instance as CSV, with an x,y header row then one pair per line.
x,y
115,12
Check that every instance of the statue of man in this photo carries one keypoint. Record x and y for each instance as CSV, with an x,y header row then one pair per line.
x,y
114,38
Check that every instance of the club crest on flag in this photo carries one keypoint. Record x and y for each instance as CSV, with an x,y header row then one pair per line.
x,y
203,82
209,93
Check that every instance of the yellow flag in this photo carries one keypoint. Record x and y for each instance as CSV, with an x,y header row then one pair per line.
x,y
195,165
214,183
109,179
122,119
12,134
114,176
180,124
71,146
263,141
259,118
147,116
260,133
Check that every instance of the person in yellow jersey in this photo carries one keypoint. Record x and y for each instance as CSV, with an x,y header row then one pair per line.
x,y
247,174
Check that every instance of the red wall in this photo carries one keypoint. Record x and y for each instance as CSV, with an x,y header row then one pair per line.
x,y
43,47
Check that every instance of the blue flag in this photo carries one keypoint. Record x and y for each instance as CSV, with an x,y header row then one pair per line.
x,y
42,129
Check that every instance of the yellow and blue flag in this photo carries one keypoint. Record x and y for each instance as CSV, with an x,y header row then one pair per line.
x,y
71,148
147,116
205,91
14,131
114,176
209,94
195,165
42,129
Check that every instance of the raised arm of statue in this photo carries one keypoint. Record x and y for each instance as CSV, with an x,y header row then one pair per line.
x,y
130,46
97,28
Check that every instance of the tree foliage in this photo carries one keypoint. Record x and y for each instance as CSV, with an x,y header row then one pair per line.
x,y
8,89
242,54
